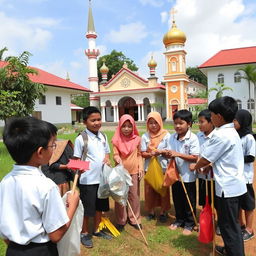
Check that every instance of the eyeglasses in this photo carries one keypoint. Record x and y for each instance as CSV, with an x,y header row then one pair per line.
x,y
53,146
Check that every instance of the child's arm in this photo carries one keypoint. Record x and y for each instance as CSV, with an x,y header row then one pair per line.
x,y
106,159
202,162
116,155
140,162
72,201
189,158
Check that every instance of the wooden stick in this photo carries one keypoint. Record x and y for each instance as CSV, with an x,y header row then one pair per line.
x,y
213,220
75,182
137,223
190,205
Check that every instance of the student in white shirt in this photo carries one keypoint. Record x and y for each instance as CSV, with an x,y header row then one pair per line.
x,y
97,153
243,125
225,152
184,147
32,214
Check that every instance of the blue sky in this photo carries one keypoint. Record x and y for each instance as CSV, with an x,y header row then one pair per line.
x,y
54,30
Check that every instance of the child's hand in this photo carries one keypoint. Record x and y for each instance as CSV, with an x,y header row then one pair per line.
x,y
207,169
192,167
72,200
106,161
117,159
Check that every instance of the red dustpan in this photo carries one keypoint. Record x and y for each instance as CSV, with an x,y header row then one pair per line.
x,y
205,221
78,165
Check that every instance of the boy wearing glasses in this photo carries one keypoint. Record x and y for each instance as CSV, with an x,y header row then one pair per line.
x,y
32,214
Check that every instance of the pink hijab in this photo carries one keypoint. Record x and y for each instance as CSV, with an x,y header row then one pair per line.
x,y
126,145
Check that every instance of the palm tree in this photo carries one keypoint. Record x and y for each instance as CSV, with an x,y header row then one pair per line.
x,y
220,88
248,75
2,53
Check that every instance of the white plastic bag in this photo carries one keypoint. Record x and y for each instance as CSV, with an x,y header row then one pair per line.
x,y
69,245
104,189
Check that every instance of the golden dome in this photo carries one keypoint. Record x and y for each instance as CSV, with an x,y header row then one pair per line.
x,y
152,63
174,36
104,69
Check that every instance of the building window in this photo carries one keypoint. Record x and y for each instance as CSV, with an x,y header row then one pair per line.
x,y
174,69
220,78
237,77
58,100
239,104
250,102
42,100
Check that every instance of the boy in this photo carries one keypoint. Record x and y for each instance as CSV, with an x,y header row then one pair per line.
x,y
98,154
225,152
184,147
32,214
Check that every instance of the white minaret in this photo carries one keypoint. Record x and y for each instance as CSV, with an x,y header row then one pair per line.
x,y
92,53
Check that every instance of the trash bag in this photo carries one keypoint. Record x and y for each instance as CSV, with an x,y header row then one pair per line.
x,y
69,245
171,175
119,182
155,176
104,189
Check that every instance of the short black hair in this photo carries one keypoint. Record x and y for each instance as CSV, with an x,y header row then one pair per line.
x,y
88,111
225,106
24,135
183,114
206,113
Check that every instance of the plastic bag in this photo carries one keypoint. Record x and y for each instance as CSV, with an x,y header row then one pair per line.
x,y
69,245
104,189
171,174
155,176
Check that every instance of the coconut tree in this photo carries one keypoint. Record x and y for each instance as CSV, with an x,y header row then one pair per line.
x,y
2,53
248,75
220,88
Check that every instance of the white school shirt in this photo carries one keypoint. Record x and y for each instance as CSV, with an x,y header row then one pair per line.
x,y
225,151
203,140
97,149
248,144
30,206
145,139
188,145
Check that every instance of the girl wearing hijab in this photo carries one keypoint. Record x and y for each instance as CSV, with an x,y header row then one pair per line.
x,y
153,143
243,125
126,150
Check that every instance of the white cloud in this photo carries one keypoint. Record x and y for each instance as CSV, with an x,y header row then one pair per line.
x,y
129,33
155,3
44,22
164,16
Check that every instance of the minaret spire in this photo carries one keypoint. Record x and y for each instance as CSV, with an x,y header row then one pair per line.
x,y
90,27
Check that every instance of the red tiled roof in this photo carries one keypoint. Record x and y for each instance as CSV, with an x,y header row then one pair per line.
x,y
196,101
75,107
46,78
235,56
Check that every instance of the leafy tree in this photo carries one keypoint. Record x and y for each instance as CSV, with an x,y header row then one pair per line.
x,y
114,61
202,94
195,74
2,53
17,92
81,100
249,71
220,88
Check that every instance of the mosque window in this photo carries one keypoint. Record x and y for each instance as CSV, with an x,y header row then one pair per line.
x,y
220,78
237,77
58,100
239,104
174,66
42,100
250,104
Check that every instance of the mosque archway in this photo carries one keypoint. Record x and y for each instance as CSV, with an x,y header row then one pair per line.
x,y
147,107
109,111
127,105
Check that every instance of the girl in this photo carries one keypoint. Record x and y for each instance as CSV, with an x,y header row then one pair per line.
x,y
243,125
153,143
126,149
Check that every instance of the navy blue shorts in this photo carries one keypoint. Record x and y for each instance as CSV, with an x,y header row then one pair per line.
x,y
248,199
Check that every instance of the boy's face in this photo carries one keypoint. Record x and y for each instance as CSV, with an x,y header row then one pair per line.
x,y
47,151
181,126
93,122
217,119
204,125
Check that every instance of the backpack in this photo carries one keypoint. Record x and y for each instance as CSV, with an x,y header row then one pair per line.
x,y
85,139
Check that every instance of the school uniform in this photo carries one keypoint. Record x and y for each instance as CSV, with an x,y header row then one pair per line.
x,y
30,208
152,198
98,147
225,151
248,144
188,145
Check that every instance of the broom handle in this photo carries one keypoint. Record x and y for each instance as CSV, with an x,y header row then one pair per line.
x,y
213,220
137,223
190,205
75,182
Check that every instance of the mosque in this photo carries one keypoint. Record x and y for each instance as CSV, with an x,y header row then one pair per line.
x,y
128,93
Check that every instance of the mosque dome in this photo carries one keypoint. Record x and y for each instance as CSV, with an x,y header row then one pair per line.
x,y
152,63
174,36
104,69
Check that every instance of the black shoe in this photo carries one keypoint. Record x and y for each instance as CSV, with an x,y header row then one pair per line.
x,y
151,217
103,235
86,240
243,228
163,218
220,250
247,236
120,227
217,231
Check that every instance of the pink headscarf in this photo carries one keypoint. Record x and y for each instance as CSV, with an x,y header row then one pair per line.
x,y
126,145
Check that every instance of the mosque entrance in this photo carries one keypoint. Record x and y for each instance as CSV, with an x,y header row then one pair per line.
x,y
127,105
